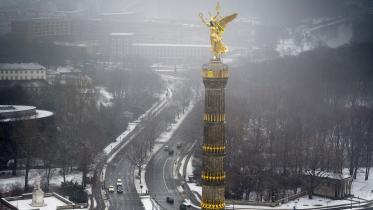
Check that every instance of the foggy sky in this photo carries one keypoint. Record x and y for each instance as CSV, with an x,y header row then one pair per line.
x,y
277,10
285,11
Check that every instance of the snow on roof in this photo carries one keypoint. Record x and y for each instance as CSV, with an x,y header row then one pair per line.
x,y
39,114
73,44
21,66
117,13
51,200
49,19
338,176
169,45
121,34
10,113
14,108
65,69
329,175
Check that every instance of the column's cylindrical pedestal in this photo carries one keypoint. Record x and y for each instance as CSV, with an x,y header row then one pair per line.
x,y
215,76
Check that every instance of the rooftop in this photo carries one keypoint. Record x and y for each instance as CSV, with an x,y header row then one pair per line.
x,y
10,113
121,34
329,175
170,45
52,201
116,13
21,66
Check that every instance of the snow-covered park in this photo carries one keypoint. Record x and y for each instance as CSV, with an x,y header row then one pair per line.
x,y
8,184
362,192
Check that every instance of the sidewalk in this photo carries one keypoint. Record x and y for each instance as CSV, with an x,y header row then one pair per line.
x,y
159,143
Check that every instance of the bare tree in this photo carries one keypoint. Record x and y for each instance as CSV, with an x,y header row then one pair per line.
x,y
137,155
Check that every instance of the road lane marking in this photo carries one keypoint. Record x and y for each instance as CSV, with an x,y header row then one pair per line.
x,y
164,179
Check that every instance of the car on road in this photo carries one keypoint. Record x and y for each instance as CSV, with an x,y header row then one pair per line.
x,y
170,200
184,206
170,152
119,189
119,182
179,145
187,203
111,188
165,148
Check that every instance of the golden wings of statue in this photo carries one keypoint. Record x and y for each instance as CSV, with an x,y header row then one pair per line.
x,y
217,25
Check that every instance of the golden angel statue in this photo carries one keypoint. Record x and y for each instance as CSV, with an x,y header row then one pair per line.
x,y
217,25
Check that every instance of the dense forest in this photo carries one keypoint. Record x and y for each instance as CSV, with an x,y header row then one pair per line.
x,y
307,114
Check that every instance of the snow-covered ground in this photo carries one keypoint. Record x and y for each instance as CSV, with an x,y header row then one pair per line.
x,y
361,189
105,97
51,203
7,184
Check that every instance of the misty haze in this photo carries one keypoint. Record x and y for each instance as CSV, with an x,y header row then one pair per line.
x,y
186,104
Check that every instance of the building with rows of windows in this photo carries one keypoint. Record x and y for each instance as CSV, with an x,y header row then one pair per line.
x,y
22,71
42,27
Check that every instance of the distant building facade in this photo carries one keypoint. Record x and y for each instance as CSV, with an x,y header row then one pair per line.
x,y
22,71
67,75
120,44
170,50
42,27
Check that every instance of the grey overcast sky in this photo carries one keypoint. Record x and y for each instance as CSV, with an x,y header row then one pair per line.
x,y
265,9
286,11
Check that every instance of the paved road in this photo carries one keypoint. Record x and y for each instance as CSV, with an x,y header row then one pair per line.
x,y
160,177
123,169
120,167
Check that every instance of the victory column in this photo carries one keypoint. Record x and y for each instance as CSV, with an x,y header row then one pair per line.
x,y
215,76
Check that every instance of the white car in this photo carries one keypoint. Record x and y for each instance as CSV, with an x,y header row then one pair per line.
x,y
187,203
119,182
111,188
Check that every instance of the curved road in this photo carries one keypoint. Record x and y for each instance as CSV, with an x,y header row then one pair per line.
x,y
161,179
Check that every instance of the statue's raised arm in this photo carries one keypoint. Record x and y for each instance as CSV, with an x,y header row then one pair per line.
x,y
203,19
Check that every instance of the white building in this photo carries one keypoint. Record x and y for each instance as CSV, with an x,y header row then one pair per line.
x,y
22,71
42,27
120,44
165,52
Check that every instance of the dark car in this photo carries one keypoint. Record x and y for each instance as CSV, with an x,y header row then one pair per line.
x,y
170,152
170,200
179,145
120,189
183,206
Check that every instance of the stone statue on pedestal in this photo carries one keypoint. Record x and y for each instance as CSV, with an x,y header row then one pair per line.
x,y
37,194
